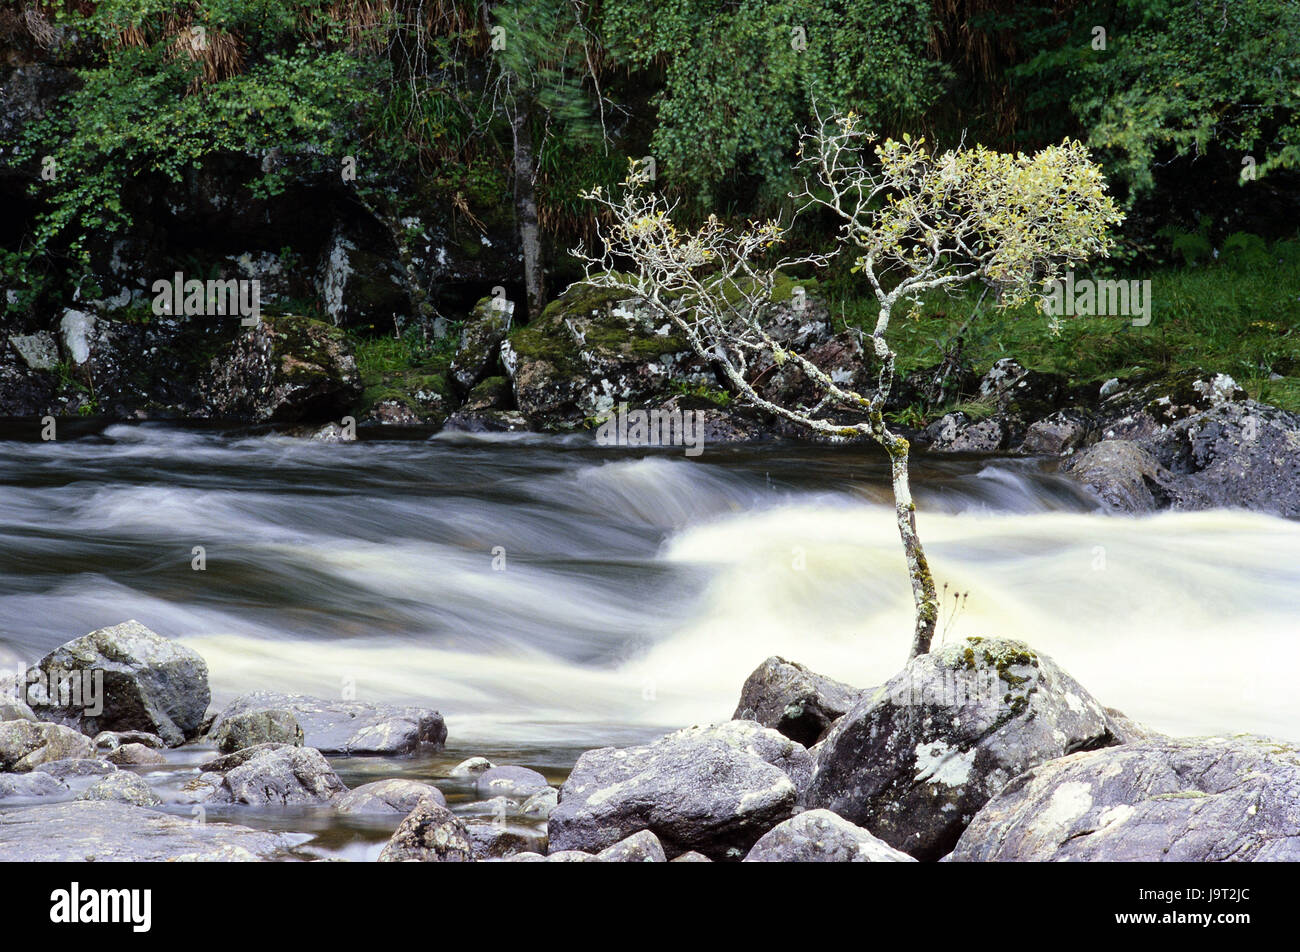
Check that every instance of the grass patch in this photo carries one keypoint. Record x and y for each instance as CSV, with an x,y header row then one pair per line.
x,y
1239,318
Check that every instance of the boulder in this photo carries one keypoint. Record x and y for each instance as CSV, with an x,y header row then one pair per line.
x,y
541,804
517,782
389,796
112,740
472,767
691,857
1126,476
1057,433
149,683
31,786
955,433
12,709
643,847
106,831
820,836
1190,800
25,745
284,370
789,698
359,287
274,774
346,728
915,761
492,840
480,341
430,834
715,790
254,727
137,755
122,787
76,769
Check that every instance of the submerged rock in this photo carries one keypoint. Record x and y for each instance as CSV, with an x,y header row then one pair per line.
x,y
789,698
715,790
389,796
274,774
517,782
430,834
820,836
345,728
150,683
251,728
105,831
121,787
1190,800
915,761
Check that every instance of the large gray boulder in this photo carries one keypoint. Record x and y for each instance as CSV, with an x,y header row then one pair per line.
x,y
1123,474
273,774
480,341
715,790
25,745
254,727
104,831
342,728
789,698
430,834
1187,800
916,761
819,836
149,683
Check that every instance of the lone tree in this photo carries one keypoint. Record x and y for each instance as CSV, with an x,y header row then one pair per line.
x,y
917,222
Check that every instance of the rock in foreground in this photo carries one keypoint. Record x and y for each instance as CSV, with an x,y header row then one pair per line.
x,y
789,698
1188,800
274,774
149,683
819,836
715,790
104,831
916,761
343,728
431,834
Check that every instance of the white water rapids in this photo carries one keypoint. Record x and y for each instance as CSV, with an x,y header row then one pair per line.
x,y
637,591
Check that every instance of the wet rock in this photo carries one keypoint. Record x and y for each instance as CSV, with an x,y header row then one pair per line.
x,y
715,790
472,767
430,834
75,769
106,831
286,369
150,683
137,755
1056,434
819,836
121,787
347,728
914,762
480,341
274,774
643,847
31,786
1126,476
25,745
541,804
517,782
1125,730
360,288
789,698
112,740
499,840
12,709
691,857
488,421
1193,800
254,727
389,796
38,351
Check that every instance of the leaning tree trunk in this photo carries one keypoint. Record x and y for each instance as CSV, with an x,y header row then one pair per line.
x,y
530,241
918,569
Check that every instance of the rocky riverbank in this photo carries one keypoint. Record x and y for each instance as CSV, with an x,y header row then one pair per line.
x,y
983,750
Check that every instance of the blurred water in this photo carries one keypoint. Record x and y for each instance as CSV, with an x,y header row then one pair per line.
x,y
638,589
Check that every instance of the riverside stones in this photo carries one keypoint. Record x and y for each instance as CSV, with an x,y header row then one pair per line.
x,y
389,796
715,790
340,728
789,698
914,762
1177,800
820,836
430,834
25,745
136,680
519,783
273,774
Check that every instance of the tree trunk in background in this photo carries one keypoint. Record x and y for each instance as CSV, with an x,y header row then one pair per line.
x,y
530,240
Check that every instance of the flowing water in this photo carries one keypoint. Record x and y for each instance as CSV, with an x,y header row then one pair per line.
x,y
550,595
